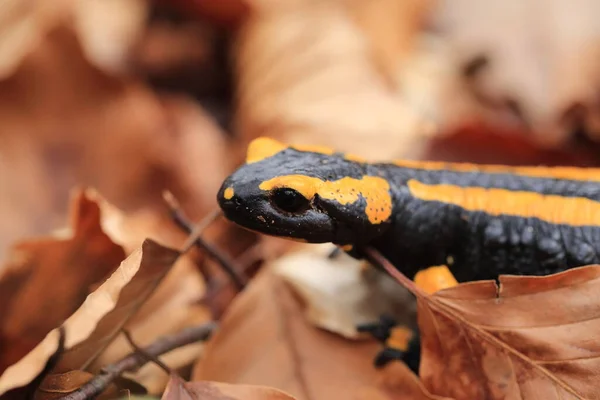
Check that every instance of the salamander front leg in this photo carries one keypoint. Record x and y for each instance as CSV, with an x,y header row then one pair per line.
x,y
400,342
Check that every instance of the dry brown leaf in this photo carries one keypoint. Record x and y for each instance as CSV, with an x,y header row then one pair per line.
x,y
264,339
47,279
307,75
99,319
397,382
178,389
55,386
172,307
532,337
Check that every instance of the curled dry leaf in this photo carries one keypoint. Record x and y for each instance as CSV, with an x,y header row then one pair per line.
x,y
30,306
531,337
178,389
172,307
101,316
307,74
264,339
341,293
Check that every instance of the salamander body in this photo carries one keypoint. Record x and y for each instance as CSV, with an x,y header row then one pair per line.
x,y
479,220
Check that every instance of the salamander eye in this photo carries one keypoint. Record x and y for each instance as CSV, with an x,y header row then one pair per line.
x,y
289,200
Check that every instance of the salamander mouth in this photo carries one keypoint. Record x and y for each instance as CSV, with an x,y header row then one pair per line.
x,y
312,227
273,228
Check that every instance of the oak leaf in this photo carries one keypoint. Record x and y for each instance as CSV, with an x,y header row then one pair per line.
x,y
530,337
47,279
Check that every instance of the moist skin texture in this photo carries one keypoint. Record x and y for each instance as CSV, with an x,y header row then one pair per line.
x,y
481,221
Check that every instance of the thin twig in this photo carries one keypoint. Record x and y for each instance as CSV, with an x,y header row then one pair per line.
x,y
197,230
149,357
182,221
376,258
135,360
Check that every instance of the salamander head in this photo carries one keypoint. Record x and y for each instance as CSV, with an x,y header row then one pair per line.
x,y
308,193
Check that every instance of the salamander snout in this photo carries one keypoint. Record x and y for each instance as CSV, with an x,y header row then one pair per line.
x,y
228,200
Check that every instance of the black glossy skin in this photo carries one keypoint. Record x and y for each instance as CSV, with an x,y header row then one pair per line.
x,y
420,234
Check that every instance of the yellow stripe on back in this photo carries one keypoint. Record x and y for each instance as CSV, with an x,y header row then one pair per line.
x,y
264,147
570,173
554,209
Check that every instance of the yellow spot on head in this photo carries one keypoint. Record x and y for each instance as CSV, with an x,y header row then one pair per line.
x,y
228,193
347,247
375,190
554,209
435,278
263,147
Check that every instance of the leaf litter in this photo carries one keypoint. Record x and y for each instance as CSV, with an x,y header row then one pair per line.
x,y
91,328
30,306
286,351
365,78
529,337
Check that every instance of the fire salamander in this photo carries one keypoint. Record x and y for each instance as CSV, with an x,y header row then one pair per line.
x,y
478,220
